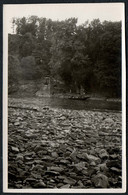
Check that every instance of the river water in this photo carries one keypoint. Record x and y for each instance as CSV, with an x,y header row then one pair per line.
x,y
83,104
88,104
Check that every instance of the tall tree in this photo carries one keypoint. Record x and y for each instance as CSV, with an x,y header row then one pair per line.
x,y
84,56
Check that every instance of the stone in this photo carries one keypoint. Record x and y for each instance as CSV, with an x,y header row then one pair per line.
x,y
40,184
61,177
28,158
103,154
69,149
20,162
19,186
47,158
82,157
31,136
93,158
72,174
73,154
62,147
52,144
16,123
93,140
36,175
38,148
62,118
113,156
103,167
59,185
41,153
29,154
115,170
57,169
19,157
54,154
80,166
80,184
100,181
91,171
108,120
63,161
67,130
85,172
69,180
93,163
65,186
88,183
73,136
38,168
15,149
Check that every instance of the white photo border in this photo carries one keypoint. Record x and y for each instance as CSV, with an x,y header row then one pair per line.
x,y
5,120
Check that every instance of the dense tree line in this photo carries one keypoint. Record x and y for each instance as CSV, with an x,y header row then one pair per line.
x,y
86,56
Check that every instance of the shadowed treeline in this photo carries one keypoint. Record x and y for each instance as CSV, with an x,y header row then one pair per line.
x,y
83,57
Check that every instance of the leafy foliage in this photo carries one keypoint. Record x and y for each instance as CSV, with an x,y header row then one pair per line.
x,y
14,73
87,56
29,69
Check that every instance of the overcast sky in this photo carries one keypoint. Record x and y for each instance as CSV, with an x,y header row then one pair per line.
x,y
84,11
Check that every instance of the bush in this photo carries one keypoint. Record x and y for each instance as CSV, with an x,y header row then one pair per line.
x,y
29,68
13,73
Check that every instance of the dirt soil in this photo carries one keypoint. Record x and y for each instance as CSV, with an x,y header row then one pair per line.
x,y
62,148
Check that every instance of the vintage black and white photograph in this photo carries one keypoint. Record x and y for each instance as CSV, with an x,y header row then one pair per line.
x,y
64,98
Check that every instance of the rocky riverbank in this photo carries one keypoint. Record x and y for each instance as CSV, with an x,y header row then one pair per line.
x,y
62,148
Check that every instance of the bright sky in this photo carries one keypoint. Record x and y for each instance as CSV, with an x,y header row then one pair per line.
x,y
82,11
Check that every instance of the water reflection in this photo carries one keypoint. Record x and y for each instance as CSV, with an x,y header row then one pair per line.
x,y
80,104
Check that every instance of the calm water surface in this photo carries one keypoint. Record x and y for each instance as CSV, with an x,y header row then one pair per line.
x,y
72,104
84,104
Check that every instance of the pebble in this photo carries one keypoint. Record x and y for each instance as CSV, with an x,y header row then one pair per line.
x,y
109,120
60,146
65,186
15,149
100,181
103,154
